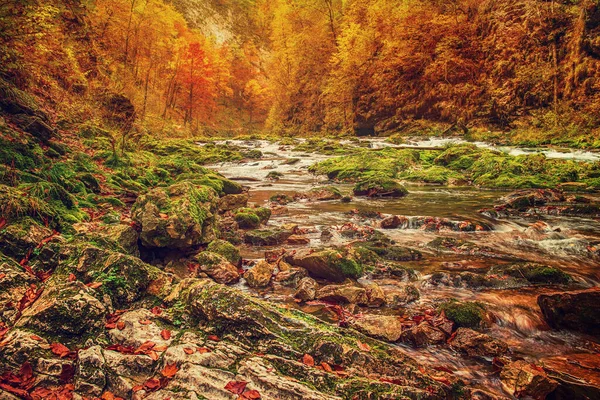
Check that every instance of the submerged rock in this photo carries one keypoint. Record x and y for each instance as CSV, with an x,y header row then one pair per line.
x,y
523,379
328,264
577,310
180,216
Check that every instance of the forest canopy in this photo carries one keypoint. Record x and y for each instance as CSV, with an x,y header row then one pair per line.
x,y
367,66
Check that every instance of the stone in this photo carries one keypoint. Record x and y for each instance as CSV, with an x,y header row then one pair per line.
x,y
423,335
380,186
260,275
297,240
14,282
577,375
375,295
217,267
343,294
232,202
326,193
90,378
397,299
135,333
393,222
576,310
476,344
68,309
523,379
307,289
227,250
180,216
290,277
384,327
125,371
267,237
329,264
206,382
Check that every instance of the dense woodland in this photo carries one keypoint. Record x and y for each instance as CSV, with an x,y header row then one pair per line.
x,y
313,65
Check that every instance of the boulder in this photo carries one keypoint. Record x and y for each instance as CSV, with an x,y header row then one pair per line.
x,y
227,250
476,344
343,294
118,237
67,309
217,267
400,298
329,264
260,275
422,335
307,289
90,377
297,240
577,310
267,237
524,379
383,327
233,202
326,193
380,186
180,216
375,295
576,374
393,222
290,276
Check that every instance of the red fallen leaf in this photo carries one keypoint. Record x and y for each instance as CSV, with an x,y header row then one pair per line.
x,y
537,367
308,360
2,222
94,285
145,322
443,369
37,338
72,278
188,351
236,387
363,346
160,348
60,349
121,349
326,367
146,346
19,392
2,275
214,338
137,388
152,384
120,325
250,395
153,355
203,350
165,334
440,379
156,310
169,370
110,325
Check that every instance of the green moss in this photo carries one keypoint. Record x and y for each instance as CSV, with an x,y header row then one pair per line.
x,y
380,186
467,314
226,249
536,273
247,220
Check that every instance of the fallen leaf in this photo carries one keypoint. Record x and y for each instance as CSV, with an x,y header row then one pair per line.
x,y
146,346
169,370
214,338
72,277
156,310
188,351
236,387
37,338
250,395
152,384
2,275
162,347
60,349
308,360
94,285
326,367
145,322
120,325
153,355
363,346
203,350
165,334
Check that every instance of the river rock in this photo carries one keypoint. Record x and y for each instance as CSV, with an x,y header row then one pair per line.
x,y
232,202
380,186
267,237
397,299
66,309
260,275
227,250
307,289
328,264
343,294
297,240
326,193
577,310
217,267
476,344
384,327
393,222
423,335
136,330
17,239
290,276
523,199
523,379
118,237
180,216
375,295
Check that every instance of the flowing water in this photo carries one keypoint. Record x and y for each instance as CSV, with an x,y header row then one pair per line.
x,y
557,241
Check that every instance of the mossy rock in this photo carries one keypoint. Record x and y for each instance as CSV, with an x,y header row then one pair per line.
x,y
180,216
330,264
226,249
534,273
267,237
247,220
274,175
464,314
380,186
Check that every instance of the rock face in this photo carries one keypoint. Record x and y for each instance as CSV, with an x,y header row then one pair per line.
x,y
217,267
260,275
68,309
522,379
577,310
180,216
476,344
327,264
388,328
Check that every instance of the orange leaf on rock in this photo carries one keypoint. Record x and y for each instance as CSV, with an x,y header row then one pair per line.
x,y
308,360
145,322
188,351
363,346
250,395
94,285
162,347
72,278
214,338
120,325
236,387
326,367
152,384
60,349
165,334
156,310
169,370
203,350
36,338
